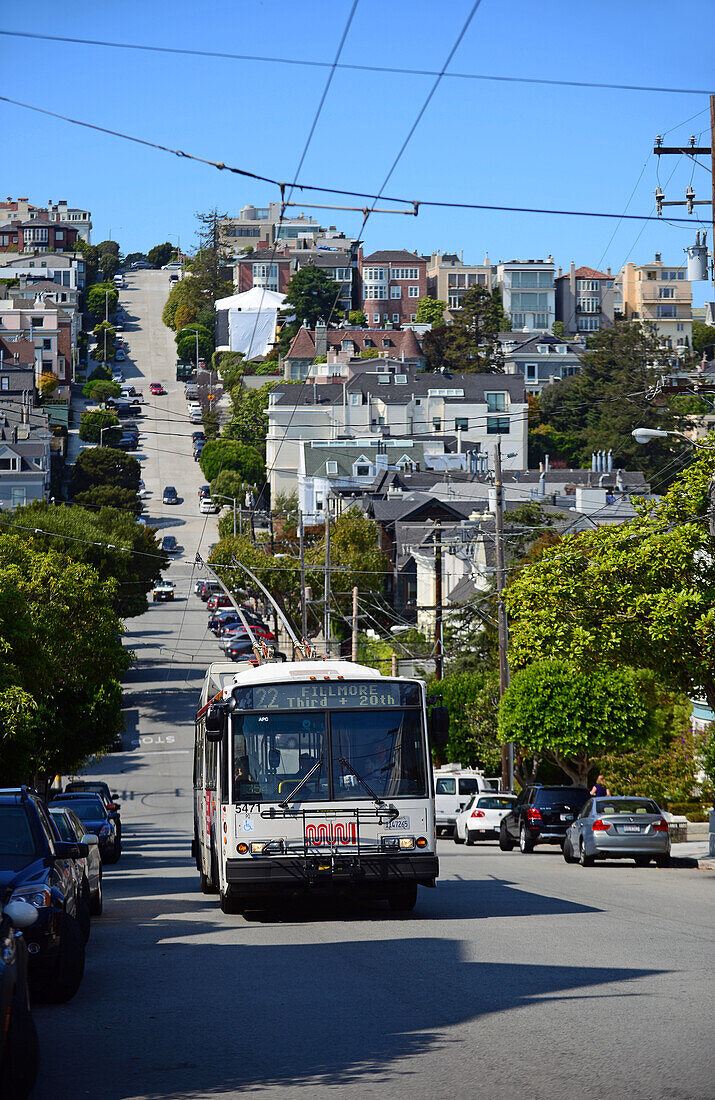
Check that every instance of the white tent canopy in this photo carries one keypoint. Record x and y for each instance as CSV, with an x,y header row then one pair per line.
x,y
252,320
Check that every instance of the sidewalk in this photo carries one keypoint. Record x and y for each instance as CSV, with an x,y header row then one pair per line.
x,y
696,850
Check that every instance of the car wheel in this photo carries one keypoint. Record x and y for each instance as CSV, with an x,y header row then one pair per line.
x,y
113,856
403,898
641,861
18,1066
97,904
469,838
584,860
83,918
568,852
505,842
663,861
69,969
526,844
457,838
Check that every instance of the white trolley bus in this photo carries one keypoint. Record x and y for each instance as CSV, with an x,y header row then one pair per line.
x,y
313,774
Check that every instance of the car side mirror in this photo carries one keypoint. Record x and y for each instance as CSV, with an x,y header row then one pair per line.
x,y
89,839
20,913
215,723
439,726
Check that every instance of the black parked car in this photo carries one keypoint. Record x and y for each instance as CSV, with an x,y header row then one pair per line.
x,y
37,868
541,815
98,786
170,496
94,815
18,1036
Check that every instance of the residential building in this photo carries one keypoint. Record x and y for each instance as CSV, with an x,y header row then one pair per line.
x,y
308,344
37,235
478,408
266,268
528,293
449,279
273,268
47,327
584,299
540,358
24,462
21,209
392,282
17,371
262,226
65,268
658,294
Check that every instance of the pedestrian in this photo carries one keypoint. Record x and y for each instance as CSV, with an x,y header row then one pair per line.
x,y
599,788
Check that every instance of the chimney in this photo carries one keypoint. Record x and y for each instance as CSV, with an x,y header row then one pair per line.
x,y
559,273
321,338
608,271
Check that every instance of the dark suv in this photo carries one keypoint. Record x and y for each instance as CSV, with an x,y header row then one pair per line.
x,y
38,868
541,815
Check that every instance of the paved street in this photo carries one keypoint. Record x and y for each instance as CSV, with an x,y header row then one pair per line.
x,y
517,976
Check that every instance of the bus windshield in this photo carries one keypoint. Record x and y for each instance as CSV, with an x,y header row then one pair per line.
x,y
383,749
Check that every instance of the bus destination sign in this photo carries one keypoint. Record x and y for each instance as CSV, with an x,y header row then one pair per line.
x,y
328,695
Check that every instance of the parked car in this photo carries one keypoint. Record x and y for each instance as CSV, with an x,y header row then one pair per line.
x,y
453,788
94,815
207,588
196,416
142,265
163,590
170,495
119,355
128,443
37,868
618,828
98,786
70,828
198,436
481,817
18,1036
204,491
207,506
198,448
157,389
169,545
541,815
219,600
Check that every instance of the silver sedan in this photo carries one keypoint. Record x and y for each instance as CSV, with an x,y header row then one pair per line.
x,y
618,828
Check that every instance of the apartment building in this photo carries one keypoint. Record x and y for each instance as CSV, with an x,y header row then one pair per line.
x,y
65,269
262,226
273,268
47,327
377,403
661,295
402,345
539,358
35,235
392,282
17,371
585,299
23,210
449,278
528,293
24,460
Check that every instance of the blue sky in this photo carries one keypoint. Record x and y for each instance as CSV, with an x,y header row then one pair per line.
x,y
479,141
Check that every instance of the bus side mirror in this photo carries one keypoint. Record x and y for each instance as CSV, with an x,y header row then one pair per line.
x,y
215,722
439,726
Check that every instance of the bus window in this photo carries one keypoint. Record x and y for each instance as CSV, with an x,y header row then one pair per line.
x,y
211,754
272,752
382,747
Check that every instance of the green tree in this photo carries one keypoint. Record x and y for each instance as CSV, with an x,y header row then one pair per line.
x,y
100,389
105,466
108,265
357,318
367,353
470,343
559,329
430,311
709,755
101,298
571,716
472,699
92,423
186,344
227,454
109,496
227,486
311,296
187,293
133,257
209,267
60,699
249,417
48,383
640,594
703,339
101,373
123,553
161,254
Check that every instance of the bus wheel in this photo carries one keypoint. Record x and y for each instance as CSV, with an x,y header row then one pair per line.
x,y
230,904
207,886
403,898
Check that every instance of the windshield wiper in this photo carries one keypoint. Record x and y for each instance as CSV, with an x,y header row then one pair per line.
x,y
379,802
301,783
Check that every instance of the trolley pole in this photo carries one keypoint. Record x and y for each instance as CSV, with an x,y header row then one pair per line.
x,y
438,638
507,755
355,627
303,601
326,594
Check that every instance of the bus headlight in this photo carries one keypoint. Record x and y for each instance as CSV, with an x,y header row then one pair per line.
x,y
407,842
257,849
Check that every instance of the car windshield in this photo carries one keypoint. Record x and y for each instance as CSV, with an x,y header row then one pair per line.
x,y
495,802
88,809
272,752
15,833
612,807
572,798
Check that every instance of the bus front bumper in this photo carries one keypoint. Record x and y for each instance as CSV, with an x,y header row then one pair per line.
x,y
296,872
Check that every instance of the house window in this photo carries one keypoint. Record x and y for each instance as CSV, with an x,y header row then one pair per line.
x,y
517,320
666,292
497,425
667,310
496,402
4,383
47,345
355,398
587,324
376,318
374,293
331,467
362,471
396,291
396,318
532,372
413,292
680,328
461,423
541,320
437,423
413,317
37,322
374,274
59,234
404,273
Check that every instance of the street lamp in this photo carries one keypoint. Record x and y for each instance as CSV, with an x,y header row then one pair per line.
x,y
222,496
645,435
107,428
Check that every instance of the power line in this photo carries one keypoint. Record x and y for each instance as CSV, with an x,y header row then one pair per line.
x,y
416,203
393,69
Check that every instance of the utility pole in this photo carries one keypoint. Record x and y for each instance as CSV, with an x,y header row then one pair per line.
x,y
438,640
303,600
326,609
354,654
507,755
272,545
712,174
